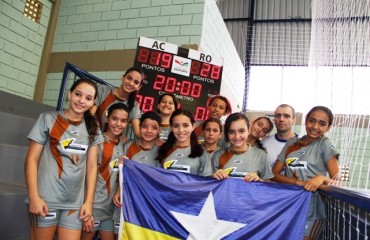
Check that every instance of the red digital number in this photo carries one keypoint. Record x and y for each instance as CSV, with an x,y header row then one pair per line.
x,y
195,66
200,113
159,82
185,88
170,84
196,90
143,55
205,70
147,104
139,98
155,57
215,73
166,60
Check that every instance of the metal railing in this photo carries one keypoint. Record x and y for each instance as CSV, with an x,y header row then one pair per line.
x,y
347,214
80,73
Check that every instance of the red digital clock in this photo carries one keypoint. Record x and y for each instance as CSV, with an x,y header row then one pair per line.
x,y
190,75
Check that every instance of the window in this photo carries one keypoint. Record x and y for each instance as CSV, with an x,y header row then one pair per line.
x,y
32,10
343,89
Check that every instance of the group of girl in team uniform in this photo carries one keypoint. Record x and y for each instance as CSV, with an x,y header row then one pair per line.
x,y
68,191
70,160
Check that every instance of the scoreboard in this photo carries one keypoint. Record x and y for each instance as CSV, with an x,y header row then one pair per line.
x,y
190,75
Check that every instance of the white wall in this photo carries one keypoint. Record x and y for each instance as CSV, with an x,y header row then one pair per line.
x,y
216,40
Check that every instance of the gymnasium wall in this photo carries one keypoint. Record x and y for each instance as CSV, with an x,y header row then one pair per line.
x,y
101,37
21,46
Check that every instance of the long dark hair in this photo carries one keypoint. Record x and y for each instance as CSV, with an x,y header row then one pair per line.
x,y
132,96
92,125
231,118
196,149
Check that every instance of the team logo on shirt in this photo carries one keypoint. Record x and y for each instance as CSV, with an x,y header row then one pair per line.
x,y
74,133
238,161
114,164
171,165
70,146
295,163
179,155
143,158
233,173
168,164
300,153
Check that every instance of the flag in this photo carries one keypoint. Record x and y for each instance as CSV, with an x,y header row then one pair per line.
x,y
162,204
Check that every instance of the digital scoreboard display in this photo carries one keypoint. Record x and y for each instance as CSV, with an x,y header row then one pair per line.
x,y
190,75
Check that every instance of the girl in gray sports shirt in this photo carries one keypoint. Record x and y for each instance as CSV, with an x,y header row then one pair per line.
x,y
240,159
181,152
110,152
61,166
307,161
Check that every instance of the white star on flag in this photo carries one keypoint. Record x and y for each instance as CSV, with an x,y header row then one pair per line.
x,y
206,225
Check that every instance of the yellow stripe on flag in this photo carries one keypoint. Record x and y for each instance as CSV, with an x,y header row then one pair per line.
x,y
134,232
